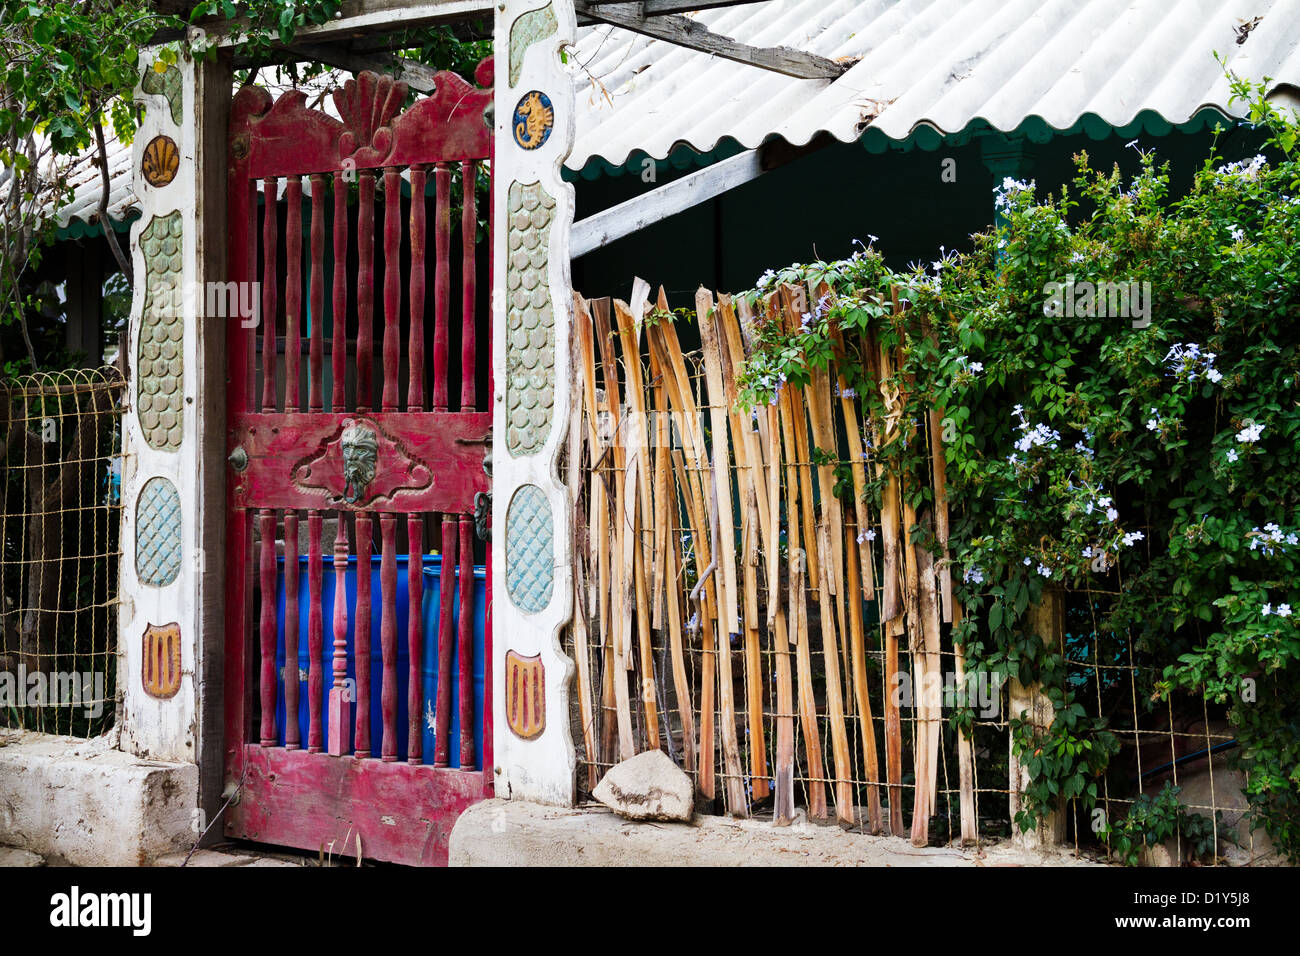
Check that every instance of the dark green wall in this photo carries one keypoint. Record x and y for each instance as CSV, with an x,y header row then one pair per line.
x,y
816,206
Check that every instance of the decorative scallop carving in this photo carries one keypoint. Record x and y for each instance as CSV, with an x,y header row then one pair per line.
x,y
160,161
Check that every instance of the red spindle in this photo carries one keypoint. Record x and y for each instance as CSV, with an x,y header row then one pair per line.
x,y
315,636
441,285
365,290
292,731
269,290
465,690
414,637
316,298
267,626
361,632
293,296
388,631
338,321
446,643
392,286
340,715
468,228
415,377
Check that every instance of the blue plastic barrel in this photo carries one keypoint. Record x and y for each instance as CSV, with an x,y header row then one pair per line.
x,y
429,664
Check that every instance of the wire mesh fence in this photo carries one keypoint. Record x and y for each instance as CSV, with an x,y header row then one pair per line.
x,y
731,609
59,562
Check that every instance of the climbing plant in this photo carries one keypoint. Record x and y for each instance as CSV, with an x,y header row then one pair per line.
x,y
1118,371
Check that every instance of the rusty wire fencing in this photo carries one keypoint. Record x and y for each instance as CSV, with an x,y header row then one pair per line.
x,y
59,564
730,613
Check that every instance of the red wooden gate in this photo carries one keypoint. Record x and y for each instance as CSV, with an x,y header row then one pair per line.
x,y
348,451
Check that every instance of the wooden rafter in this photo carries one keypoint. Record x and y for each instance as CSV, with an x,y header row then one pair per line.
x,y
694,35
656,8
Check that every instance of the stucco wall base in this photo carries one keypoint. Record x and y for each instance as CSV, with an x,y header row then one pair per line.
x,y
516,833
84,803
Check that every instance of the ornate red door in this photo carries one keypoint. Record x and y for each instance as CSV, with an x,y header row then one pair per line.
x,y
347,471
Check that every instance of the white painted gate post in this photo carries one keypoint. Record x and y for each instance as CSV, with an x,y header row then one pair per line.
x,y
173,430
531,311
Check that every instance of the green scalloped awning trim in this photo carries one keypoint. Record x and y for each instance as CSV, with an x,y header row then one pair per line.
x,y
926,138
80,229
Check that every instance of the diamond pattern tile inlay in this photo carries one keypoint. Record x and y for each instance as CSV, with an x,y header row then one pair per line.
x,y
530,551
158,533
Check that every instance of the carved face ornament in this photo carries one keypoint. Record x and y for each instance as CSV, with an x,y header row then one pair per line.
x,y
360,459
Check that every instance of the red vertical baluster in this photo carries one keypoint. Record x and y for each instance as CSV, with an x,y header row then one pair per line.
x,y
316,298
340,715
267,626
315,628
488,745
365,290
269,290
414,522
446,642
468,227
361,632
292,401
292,731
388,631
338,320
293,295
441,285
415,377
414,637
392,286
466,640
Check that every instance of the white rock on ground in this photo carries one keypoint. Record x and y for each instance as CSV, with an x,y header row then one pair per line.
x,y
648,786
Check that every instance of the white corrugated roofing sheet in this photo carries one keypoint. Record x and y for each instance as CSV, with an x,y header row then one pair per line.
x,y
942,64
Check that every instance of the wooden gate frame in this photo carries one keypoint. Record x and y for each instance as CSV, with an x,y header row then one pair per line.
x,y
401,811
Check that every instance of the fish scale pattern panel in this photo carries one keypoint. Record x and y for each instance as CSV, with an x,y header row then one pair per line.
x,y
162,330
530,335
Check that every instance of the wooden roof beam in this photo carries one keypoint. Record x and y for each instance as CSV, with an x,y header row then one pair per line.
x,y
694,35
657,8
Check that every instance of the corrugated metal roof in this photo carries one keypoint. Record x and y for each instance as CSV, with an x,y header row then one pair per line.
x,y
88,189
942,64
921,65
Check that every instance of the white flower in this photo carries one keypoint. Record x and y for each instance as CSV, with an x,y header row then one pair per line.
x,y
1028,561
1232,454
1250,434
1087,552
1104,502
1044,570
1152,424
1111,514
1131,537
1284,610
977,367
1214,375
973,576
1266,610
868,535
1237,233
